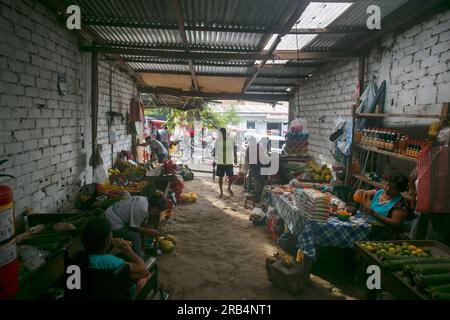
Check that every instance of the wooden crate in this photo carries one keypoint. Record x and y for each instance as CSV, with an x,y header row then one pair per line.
x,y
394,282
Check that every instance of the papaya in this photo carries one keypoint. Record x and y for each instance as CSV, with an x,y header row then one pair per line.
x,y
171,238
359,196
166,246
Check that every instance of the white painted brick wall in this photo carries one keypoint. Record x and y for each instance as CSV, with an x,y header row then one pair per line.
x,y
122,89
41,131
415,64
327,95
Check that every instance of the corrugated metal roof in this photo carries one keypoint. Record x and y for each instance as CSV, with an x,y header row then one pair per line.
x,y
228,40
220,70
302,62
321,14
267,89
139,66
294,41
172,38
357,15
265,13
260,14
283,71
223,62
153,59
255,13
324,41
316,15
139,36
157,11
275,82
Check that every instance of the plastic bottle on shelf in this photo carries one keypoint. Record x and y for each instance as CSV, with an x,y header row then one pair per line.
x,y
396,142
391,140
409,149
358,137
377,138
385,140
402,145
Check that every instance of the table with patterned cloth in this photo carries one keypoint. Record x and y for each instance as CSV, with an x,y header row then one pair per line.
x,y
333,233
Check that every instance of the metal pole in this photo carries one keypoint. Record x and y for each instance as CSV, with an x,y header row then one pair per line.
x,y
111,119
94,109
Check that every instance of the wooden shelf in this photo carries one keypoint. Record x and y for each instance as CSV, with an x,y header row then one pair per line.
x,y
388,153
399,115
295,158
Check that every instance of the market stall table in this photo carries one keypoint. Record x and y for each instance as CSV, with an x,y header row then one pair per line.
x,y
309,233
36,283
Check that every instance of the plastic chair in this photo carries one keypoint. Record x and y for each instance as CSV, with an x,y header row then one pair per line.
x,y
111,284
98,284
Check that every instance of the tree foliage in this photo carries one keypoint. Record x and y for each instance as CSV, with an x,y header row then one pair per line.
x,y
210,119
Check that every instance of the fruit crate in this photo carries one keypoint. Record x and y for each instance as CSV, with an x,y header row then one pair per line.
x,y
433,247
394,281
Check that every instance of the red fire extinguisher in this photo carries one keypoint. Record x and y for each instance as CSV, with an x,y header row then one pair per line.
x,y
9,262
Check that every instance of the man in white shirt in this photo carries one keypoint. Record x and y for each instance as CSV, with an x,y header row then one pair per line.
x,y
225,155
128,220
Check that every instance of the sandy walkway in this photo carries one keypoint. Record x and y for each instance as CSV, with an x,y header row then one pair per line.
x,y
220,254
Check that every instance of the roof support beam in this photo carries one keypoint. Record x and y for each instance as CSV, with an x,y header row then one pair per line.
x,y
277,55
107,22
331,30
214,95
227,75
231,65
176,7
178,54
299,9
192,48
314,55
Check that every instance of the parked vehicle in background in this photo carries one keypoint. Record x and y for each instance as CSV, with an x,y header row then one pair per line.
x,y
276,142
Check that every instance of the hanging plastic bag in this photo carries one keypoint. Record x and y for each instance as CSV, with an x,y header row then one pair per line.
x,y
100,175
444,136
32,257
113,135
299,125
366,100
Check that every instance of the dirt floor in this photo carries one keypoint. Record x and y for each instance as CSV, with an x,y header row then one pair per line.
x,y
221,255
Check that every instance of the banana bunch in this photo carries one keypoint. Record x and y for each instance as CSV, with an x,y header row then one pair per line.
x,y
112,171
286,259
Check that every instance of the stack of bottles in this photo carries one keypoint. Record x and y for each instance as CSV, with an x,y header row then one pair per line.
x,y
389,140
313,204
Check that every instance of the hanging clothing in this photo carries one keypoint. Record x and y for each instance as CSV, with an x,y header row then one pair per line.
x,y
136,110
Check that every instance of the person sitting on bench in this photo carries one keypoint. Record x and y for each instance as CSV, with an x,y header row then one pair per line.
x,y
129,218
98,241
